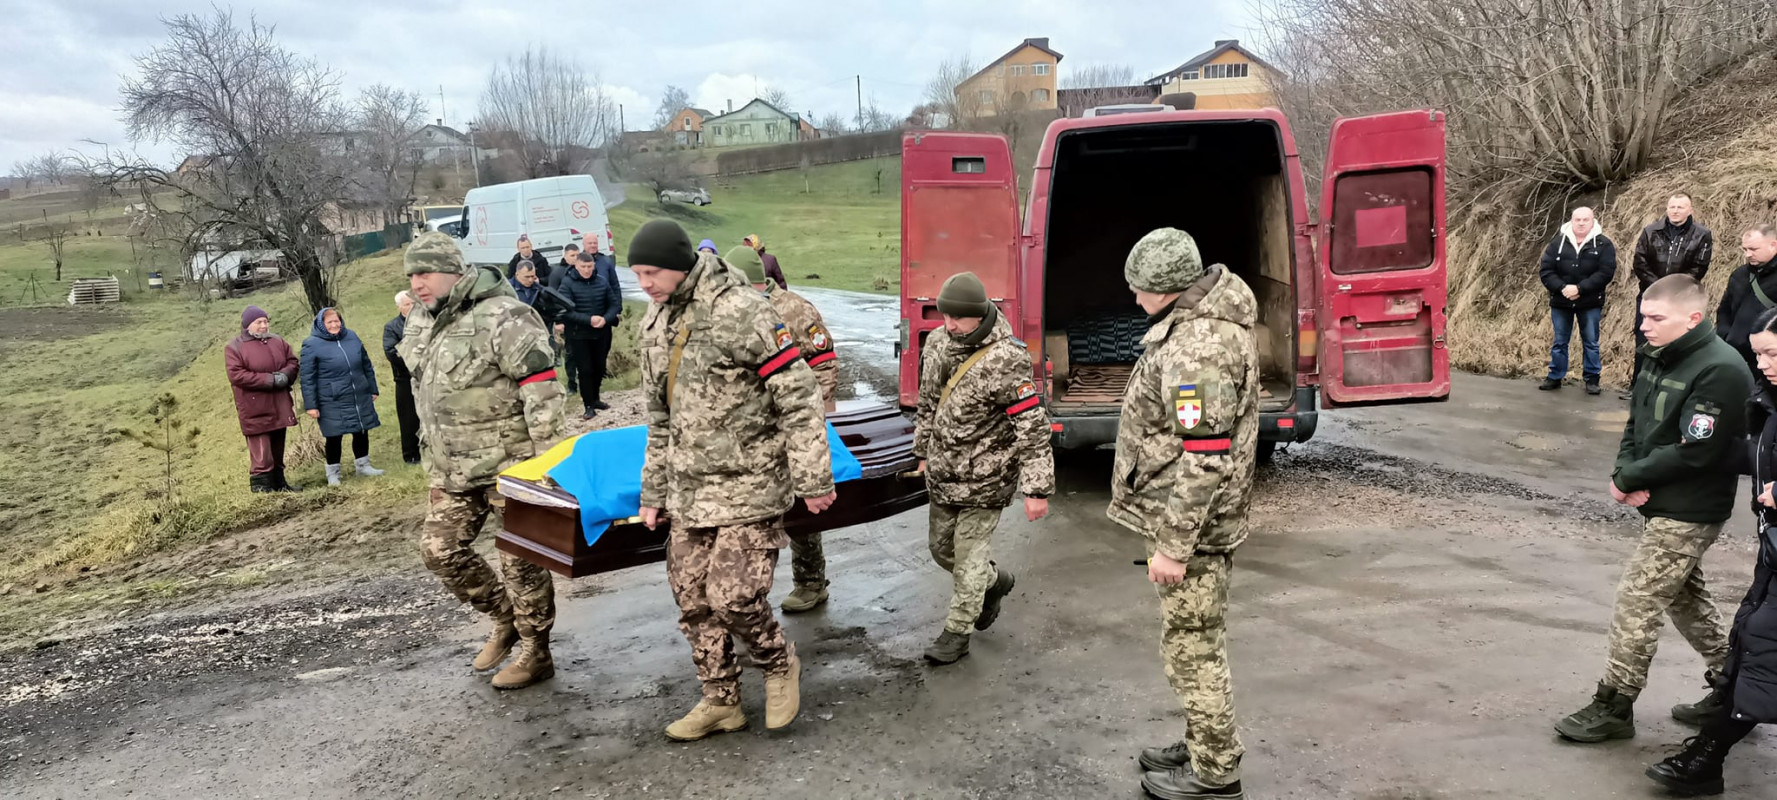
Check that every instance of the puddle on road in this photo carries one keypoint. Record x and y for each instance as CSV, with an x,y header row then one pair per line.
x,y
1531,441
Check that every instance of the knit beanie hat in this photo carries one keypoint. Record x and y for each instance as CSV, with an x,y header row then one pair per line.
x,y
963,296
662,243
251,314
708,244
1163,262
747,260
435,252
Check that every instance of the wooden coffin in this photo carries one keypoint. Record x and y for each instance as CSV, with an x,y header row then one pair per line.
x,y
542,522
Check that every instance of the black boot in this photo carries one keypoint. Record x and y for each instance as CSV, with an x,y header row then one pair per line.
x,y
1694,772
590,413
282,485
1703,710
1166,759
261,482
1182,784
948,648
1549,385
1592,387
1610,715
990,604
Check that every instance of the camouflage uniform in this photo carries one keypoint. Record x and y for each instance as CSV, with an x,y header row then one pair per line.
x,y
1186,451
735,435
1664,577
989,438
486,397
808,563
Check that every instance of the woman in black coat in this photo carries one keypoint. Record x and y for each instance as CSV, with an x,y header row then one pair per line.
x,y
1745,692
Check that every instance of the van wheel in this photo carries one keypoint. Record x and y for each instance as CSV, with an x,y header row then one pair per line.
x,y
1267,451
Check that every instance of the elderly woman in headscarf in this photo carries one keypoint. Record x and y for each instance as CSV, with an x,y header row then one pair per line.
x,y
339,389
261,369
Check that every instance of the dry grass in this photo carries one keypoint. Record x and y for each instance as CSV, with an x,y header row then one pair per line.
x,y
1719,148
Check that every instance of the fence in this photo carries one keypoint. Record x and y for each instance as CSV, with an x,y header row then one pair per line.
x,y
812,153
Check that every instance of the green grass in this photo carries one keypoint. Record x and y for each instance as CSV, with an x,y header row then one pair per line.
x,y
837,226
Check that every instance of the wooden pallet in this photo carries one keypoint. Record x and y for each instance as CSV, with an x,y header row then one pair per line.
x,y
90,291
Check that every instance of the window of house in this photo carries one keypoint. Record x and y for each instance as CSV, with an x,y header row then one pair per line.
x,y
1039,69
1017,70
746,130
1189,76
687,123
985,95
1039,95
1213,71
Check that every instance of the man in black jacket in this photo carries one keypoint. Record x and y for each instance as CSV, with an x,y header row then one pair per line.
x,y
596,306
1675,466
527,253
405,411
1751,289
1676,244
1576,268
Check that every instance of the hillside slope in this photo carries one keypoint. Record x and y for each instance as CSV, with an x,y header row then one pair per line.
x,y
1719,147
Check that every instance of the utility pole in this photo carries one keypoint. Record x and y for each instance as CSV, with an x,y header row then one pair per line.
x,y
441,115
621,127
475,154
860,79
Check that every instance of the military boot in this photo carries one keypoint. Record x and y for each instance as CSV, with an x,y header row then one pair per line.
x,y
533,665
281,483
806,597
783,695
1695,772
706,718
1611,715
1703,710
499,643
1183,784
990,604
948,648
1166,759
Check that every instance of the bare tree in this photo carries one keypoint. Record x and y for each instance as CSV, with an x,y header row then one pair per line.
x,y
779,99
552,105
24,171
873,119
265,119
391,119
54,167
56,237
1098,76
943,91
672,101
834,124
661,169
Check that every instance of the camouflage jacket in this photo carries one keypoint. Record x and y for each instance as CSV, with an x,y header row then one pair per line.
x,y
991,435
1187,442
735,429
812,337
483,382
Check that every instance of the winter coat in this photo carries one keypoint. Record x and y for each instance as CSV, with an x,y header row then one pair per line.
x,y
538,261
1666,249
1740,306
338,380
1687,419
393,331
987,437
1752,645
527,294
596,296
259,402
772,270
1588,264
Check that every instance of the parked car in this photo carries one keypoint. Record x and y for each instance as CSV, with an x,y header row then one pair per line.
x,y
697,197
1351,307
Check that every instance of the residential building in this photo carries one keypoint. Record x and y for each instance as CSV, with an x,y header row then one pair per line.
x,y
1226,76
757,122
440,144
1021,80
687,126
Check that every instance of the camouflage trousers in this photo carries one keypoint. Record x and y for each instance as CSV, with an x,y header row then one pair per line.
x,y
961,539
808,560
1194,649
527,595
829,381
720,578
1664,578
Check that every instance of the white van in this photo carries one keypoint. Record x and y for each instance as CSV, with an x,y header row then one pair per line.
x,y
554,212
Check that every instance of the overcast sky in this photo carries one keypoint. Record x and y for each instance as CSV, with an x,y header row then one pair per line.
x,y
60,61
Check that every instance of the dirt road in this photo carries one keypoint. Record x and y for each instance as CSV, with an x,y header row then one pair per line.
x,y
1426,590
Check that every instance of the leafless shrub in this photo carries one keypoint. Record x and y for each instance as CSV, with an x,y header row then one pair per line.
x,y
390,118
552,107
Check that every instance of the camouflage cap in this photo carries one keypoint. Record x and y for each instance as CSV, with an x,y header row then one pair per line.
x,y
1163,262
435,252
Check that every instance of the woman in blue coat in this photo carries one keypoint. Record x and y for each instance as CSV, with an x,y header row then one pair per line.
x,y
339,390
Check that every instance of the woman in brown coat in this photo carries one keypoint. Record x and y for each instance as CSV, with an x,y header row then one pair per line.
x,y
262,368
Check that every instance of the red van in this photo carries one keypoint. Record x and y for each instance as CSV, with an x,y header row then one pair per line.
x,y
1351,308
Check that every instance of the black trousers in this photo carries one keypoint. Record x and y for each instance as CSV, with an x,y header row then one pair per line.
x,y
589,357
409,418
360,446
1724,728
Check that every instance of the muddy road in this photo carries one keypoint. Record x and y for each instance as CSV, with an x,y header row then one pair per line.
x,y
1423,595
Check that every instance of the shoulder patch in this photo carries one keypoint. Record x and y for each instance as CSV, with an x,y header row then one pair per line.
x,y
817,336
1702,426
1187,403
782,336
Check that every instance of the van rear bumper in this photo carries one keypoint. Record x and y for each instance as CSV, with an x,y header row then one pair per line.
x,y
1074,431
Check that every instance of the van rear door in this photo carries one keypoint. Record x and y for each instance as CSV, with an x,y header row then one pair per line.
x,y
959,213
1381,261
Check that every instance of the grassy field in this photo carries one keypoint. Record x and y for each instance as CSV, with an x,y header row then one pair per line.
x,y
836,230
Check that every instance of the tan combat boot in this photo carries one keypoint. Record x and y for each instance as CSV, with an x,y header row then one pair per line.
x,y
806,597
533,665
783,696
499,643
706,718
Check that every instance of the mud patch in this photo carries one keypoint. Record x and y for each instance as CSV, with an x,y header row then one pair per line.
x,y
22,325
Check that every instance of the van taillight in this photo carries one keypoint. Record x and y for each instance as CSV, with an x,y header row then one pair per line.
x,y
1307,343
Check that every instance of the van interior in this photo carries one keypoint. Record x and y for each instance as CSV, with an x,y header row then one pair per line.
x,y
1221,181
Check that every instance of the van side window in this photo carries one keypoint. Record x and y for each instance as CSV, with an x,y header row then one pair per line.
x,y
1382,221
974,166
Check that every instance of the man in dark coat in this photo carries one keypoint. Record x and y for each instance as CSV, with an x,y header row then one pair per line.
x,y
261,369
1750,290
405,413
1576,268
527,253
1676,243
596,305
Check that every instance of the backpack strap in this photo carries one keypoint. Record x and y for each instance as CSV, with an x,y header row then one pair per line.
x,y
957,376
1759,291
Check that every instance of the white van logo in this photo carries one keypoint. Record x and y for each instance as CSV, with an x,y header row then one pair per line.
x,y
582,209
